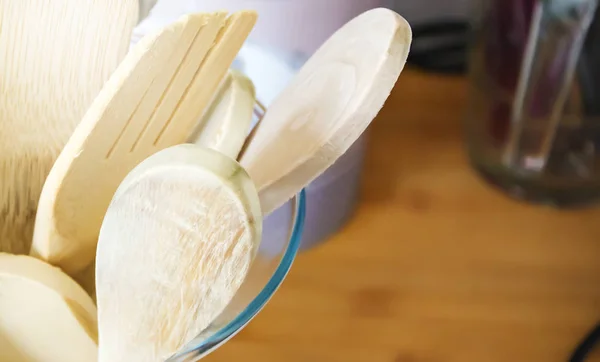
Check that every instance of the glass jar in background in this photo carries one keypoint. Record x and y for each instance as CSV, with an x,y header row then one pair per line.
x,y
533,120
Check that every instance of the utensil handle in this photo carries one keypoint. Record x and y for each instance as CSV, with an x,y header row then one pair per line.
x,y
548,68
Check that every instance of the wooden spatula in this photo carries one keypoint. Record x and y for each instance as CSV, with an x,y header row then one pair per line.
x,y
152,101
175,246
327,106
56,56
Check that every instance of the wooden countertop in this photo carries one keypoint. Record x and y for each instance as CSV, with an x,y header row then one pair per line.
x,y
436,266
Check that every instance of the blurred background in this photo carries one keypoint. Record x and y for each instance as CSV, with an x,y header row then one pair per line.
x,y
464,225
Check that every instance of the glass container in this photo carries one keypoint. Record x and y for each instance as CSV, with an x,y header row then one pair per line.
x,y
533,121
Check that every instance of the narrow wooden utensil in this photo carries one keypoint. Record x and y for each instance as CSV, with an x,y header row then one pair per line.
x,y
46,316
152,101
225,126
56,56
175,246
327,106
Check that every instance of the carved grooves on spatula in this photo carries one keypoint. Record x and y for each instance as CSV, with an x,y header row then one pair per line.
x,y
233,34
112,148
187,89
177,72
127,127
217,18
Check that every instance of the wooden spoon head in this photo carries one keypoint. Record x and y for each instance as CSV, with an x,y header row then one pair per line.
x,y
175,245
328,105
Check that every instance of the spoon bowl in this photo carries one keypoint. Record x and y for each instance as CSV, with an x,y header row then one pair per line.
x,y
181,252
282,232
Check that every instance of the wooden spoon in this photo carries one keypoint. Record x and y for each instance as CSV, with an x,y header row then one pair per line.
x,y
45,316
56,56
153,101
225,126
327,106
175,246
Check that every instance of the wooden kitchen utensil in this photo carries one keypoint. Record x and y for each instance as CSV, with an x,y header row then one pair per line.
x,y
175,246
327,106
45,315
227,122
56,56
152,101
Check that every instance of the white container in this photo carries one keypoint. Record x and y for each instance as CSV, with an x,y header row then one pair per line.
x,y
294,26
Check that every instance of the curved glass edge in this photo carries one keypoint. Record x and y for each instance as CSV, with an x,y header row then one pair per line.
x,y
262,298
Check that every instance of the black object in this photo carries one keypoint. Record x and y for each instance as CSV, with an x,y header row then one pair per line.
x,y
440,47
587,345
589,69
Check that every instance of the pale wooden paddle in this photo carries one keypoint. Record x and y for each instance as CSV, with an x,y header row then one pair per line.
x,y
45,315
152,101
56,56
327,106
175,246
225,125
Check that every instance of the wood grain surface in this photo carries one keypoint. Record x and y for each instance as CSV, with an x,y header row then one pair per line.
x,y
436,266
